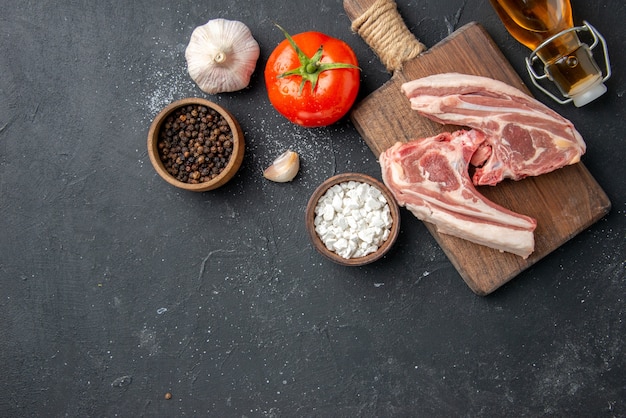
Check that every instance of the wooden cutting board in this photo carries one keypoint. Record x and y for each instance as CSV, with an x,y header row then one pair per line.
x,y
564,202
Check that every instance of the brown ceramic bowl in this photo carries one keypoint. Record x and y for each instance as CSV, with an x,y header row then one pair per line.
x,y
236,158
315,238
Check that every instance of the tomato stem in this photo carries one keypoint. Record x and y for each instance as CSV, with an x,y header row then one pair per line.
x,y
310,68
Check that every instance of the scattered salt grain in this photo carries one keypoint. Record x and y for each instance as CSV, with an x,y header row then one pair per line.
x,y
353,219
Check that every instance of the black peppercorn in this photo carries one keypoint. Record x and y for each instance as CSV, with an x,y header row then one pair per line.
x,y
195,144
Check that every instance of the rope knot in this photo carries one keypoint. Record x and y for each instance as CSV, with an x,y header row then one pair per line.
x,y
382,27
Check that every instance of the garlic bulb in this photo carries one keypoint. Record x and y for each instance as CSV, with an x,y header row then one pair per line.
x,y
284,168
221,56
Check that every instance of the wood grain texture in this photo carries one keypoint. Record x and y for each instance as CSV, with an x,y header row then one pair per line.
x,y
564,202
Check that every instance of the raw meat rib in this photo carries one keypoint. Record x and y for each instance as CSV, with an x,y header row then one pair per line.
x,y
523,136
430,178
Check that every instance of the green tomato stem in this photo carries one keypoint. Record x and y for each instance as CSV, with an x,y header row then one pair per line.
x,y
310,68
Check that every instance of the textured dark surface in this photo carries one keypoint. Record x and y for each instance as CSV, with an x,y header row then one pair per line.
x,y
117,288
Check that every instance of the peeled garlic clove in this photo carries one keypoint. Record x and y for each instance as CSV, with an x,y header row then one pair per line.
x,y
284,168
221,56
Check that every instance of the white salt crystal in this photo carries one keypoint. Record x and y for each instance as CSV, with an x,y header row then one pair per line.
x,y
353,219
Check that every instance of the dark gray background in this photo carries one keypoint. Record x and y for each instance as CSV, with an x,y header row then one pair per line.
x,y
117,288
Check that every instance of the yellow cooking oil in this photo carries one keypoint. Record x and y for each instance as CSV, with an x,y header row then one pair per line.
x,y
545,26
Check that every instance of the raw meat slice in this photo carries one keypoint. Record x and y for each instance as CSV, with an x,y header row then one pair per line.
x,y
430,178
523,136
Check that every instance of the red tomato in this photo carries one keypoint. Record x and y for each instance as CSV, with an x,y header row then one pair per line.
x,y
312,79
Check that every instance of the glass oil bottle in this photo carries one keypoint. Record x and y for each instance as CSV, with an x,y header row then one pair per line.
x,y
546,27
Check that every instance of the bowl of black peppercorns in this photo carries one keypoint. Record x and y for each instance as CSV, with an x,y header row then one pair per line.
x,y
195,144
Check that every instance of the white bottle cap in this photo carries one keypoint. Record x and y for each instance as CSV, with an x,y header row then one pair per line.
x,y
589,95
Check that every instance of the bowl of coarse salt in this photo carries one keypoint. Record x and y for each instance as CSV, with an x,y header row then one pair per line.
x,y
352,219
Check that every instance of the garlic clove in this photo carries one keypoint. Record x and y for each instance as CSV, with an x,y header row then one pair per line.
x,y
221,56
284,168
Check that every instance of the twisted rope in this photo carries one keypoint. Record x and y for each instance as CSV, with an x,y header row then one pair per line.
x,y
382,27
